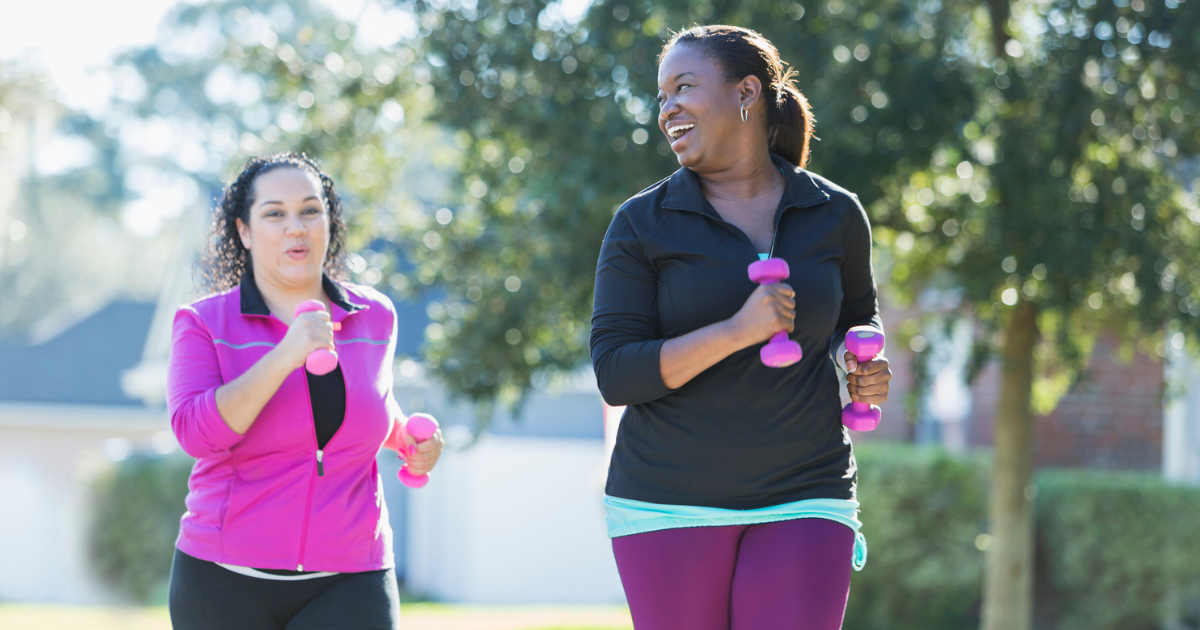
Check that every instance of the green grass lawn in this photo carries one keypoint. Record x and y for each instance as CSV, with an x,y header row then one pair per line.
x,y
417,616
51,617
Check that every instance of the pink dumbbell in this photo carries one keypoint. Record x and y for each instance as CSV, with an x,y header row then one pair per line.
x,y
865,343
319,361
779,351
421,427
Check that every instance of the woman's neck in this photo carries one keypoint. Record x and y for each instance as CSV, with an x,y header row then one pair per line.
x,y
749,177
282,299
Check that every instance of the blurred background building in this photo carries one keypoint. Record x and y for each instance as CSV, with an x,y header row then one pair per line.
x,y
514,516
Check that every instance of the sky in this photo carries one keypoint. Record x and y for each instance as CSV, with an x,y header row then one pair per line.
x,y
75,41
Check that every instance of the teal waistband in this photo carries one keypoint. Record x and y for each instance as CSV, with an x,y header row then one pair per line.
x,y
626,517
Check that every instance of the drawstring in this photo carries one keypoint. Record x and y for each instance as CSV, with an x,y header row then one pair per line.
x,y
860,552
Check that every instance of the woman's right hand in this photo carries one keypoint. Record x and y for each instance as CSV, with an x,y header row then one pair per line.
x,y
309,331
770,309
239,401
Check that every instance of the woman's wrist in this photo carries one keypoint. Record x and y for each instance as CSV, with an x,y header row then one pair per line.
x,y
732,333
280,361
240,400
683,357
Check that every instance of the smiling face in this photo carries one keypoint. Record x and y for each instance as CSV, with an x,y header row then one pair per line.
x,y
288,230
700,111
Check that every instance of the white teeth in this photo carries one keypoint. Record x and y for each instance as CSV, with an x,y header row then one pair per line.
x,y
676,132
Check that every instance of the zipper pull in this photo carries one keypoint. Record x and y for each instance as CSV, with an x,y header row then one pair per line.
x,y
320,466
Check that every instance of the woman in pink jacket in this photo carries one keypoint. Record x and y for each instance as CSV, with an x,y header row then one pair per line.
x,y
285,525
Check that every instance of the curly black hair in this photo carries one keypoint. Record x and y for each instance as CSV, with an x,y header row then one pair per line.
x,y
225,260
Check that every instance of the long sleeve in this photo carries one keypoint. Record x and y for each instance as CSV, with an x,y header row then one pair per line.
x,y
625,342
193,377
396,416
860,304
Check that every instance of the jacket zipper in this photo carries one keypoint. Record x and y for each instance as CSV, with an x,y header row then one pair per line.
x,y
775,231
312,480
738,231
312,484
778,217
316,441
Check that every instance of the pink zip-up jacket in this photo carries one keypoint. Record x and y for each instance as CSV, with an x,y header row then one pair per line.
x,y
270,499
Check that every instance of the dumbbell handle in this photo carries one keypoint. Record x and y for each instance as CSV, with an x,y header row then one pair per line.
x,y
421,427
780,351
781,336
321,361
865,343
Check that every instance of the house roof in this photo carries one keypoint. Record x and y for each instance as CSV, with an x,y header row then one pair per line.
x,y
83,364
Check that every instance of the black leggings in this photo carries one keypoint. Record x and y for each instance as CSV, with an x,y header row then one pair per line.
x,y
205,596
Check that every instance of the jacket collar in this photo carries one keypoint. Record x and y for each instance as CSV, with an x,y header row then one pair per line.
x,y
253,303
683,189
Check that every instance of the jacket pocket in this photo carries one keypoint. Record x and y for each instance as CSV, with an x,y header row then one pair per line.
x,y
227,504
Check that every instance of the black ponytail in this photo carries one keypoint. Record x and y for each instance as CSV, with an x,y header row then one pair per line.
x,y
791,125
741,52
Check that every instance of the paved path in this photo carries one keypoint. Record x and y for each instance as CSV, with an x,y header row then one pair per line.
x,y
413,617
417,617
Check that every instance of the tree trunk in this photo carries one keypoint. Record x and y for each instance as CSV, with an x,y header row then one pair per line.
x,y
1008,580
1000,12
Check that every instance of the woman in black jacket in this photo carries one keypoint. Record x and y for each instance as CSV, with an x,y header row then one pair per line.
x,y
731,494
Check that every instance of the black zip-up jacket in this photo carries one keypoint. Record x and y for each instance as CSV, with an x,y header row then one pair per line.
x,y
739,435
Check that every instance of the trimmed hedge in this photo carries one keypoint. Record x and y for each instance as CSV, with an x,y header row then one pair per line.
x,y
921,511
1121,550
1116,551
136,506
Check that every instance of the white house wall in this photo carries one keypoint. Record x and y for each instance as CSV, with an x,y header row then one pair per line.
x,y
513,520
49,455
1181,419
516,519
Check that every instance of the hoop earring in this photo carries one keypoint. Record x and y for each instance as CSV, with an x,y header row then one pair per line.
x,y
745,116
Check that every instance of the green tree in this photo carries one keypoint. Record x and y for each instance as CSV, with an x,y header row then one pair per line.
x,y
63,249
1084,108
1024,156
544,124
558,117
229,80
1026,160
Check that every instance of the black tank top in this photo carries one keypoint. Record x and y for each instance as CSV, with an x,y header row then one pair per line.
x,y
328,396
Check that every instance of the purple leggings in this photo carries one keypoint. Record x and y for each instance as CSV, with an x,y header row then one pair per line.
x,y
790,574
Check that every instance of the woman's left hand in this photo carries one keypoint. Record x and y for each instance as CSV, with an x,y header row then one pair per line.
x,y
868,382
423,456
